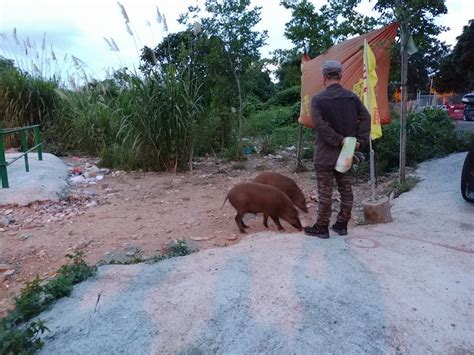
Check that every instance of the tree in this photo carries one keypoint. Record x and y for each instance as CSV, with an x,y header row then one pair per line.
x,y
233,21
412,15
230,24
419,17
456,70
316,30
321,29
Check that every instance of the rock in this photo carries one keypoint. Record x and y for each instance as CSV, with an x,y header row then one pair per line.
x,y
25,236
200,239
76,180
5,221
7,212
82,245
8,273
42,253
6,267
99,177
91,204
90,175
232,237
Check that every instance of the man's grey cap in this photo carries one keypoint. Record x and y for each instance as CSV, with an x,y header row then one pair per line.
x,y
331,67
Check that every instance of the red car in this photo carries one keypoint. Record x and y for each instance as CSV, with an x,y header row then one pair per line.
x,y
456,111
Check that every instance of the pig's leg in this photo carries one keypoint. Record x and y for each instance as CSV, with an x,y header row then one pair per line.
x,y
265,220
240,223
277,222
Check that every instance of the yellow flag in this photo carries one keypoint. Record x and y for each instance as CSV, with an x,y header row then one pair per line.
x,y
365,89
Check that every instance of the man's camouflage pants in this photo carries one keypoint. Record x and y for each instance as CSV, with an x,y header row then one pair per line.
x,y
325,178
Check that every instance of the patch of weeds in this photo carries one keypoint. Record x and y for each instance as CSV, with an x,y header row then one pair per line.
x,y
174,249
267,146
136,258
16,339
171,250
179,248
19,337
405,186
308,152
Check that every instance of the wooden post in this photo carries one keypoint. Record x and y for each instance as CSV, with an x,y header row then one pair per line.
x,y
299,167
403,109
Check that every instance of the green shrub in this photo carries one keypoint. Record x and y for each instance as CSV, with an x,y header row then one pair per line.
x,y
430,134
266,121
286,97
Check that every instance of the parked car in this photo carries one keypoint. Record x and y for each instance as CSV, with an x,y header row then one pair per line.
x,y
455,111
467,176
468,101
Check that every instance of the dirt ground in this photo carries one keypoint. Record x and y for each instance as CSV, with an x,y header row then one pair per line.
x,y
125,212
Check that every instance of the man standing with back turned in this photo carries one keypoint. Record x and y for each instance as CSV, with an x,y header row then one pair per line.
x,y
337,113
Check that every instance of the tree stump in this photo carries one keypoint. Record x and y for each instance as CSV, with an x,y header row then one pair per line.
x,y
377,211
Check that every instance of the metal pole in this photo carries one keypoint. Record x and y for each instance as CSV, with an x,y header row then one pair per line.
x,y
38,141
403,108
24,147
3,163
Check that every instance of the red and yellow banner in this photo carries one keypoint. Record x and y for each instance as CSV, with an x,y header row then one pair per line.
x,y
350,54
365,89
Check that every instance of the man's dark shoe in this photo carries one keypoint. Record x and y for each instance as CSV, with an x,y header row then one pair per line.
x,y
317,231
340,228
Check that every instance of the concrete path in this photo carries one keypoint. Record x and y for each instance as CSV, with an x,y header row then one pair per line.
x,y
400,288
46,180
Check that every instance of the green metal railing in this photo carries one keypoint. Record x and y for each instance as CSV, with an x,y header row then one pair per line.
x,y
24,148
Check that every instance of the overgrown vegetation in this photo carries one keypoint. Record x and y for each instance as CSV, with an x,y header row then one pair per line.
x,y
431,134
17,334
173,249
405,186
203,91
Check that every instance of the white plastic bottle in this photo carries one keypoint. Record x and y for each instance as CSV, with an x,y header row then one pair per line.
x,y
344,161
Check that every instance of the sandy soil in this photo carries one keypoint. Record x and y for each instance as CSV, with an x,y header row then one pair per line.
x,y
138,210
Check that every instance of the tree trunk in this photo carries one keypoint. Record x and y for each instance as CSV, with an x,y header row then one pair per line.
x,y
241,109
403,109
241,113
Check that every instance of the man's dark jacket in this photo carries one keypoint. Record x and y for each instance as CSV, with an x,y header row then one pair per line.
x,y
337,113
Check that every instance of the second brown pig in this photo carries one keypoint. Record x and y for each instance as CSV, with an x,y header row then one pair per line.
x,y
285,184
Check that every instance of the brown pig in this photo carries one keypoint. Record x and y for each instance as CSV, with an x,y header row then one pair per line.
x,y
285,184
256,198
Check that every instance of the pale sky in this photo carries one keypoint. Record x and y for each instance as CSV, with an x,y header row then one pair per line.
x,y
79,27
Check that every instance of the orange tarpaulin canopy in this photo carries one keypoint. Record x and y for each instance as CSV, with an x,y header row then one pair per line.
x,y
350,54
